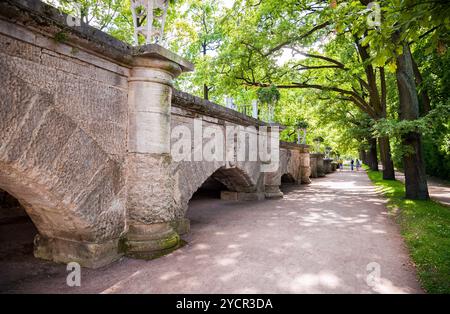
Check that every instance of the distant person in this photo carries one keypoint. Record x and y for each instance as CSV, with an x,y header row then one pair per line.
x,y
358,164
352,162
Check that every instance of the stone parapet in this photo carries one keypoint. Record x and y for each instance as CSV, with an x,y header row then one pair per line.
x,y
320,171
327,167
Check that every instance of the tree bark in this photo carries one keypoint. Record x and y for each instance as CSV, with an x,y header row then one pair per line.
x,y
385,147
425,104
362,156
413,163
205,87
373,158
386,160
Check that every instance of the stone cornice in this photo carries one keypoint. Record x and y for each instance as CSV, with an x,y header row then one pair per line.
x,y
208,108
293,145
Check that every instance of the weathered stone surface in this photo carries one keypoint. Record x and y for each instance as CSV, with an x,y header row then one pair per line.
x,y
151,189
148,241
333,166
305,166
45,148
327,168
313,165
320,165
63,137
317,167
273,191
241,196
91,255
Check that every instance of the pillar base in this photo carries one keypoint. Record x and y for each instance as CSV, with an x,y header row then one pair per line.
x,y
241,196
149,241
90,255
273,191
181,226
306,180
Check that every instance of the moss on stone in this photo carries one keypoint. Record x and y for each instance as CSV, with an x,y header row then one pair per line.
x,y
60,37
123,245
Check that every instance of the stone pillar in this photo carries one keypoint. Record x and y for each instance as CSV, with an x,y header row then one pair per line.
x,y
255,109
273,191
333,166
313,165
327,165
305,168
320,165
272,182
153,212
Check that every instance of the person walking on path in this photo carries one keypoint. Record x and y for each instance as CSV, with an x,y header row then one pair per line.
x,y
352,162
341,164
358,165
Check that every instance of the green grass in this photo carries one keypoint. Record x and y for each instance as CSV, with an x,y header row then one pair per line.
x,y
425,226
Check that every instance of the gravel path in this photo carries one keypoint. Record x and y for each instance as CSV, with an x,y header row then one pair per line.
x,y
327,237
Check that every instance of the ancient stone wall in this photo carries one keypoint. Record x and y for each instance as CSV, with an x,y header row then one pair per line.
x,y
63,128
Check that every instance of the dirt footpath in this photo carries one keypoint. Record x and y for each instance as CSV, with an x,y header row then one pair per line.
x,y
333,236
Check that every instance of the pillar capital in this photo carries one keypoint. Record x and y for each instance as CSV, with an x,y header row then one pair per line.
x,y
152,69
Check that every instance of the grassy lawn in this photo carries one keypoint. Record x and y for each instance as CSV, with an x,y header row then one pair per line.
x,y
425,226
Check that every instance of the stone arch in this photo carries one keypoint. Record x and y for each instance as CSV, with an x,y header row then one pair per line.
x,y
288,178
235,179
191,176
289,166
70,187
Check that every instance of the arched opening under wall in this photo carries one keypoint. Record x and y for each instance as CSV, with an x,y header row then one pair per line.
x,y
288,183
17,233
208,203
287,179
210,189
223,179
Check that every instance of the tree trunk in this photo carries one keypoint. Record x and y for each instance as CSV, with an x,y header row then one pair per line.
x,y
386,160
385,147
415,176
413,163
205,87
205,92
362,156
425,104
373,158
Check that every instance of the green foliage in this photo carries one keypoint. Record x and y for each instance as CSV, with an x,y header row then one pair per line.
x,y
437,157
318,139
435,128
60,37
425,226
268,95
302,124
391,127
112,16
196,34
